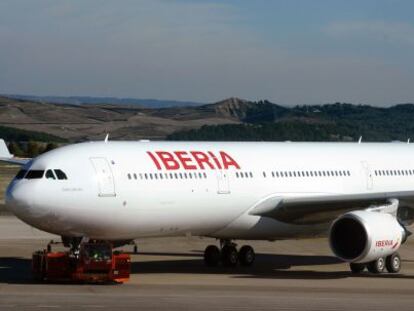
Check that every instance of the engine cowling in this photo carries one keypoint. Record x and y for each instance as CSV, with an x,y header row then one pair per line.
x,y
364,236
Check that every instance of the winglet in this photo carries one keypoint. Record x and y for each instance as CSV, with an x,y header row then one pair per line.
x,y
4,151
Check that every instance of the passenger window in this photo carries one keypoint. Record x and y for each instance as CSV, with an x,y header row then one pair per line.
x,y
21,174
50,175
60,174
34,174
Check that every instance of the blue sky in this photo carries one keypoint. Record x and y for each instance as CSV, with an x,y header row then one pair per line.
x,y
290,52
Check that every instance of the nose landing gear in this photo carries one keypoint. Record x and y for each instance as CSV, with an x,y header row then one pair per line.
x,y
228,255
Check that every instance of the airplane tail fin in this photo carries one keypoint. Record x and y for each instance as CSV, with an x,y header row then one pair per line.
x,y
4,151
6,156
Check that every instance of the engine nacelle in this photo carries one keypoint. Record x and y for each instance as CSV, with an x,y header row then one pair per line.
x,y
364,236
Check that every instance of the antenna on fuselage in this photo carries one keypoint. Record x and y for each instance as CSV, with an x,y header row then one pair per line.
x,y
360,139
408,141
106,138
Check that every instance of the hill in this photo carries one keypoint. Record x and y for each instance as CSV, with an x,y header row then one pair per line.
x,y
230,119
93,121
79,100
332,122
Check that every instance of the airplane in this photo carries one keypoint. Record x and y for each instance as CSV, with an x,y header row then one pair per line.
x,y
118,191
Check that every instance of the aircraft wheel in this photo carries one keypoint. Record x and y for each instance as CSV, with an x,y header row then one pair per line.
x,y
229,256
357,267
377,266
393,263
212,256
246,255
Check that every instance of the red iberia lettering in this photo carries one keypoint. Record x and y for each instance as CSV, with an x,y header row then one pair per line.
x,y
384,243
228,161
168,160
216,161
154,159
185,160
202,158
192,160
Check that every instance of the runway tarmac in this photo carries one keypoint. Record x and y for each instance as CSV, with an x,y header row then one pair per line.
x,y
169,274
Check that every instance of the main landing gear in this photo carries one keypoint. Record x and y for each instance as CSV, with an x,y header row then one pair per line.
x,y
390,263
228,255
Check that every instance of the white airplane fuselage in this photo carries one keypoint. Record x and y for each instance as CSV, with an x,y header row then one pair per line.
x,y
127,190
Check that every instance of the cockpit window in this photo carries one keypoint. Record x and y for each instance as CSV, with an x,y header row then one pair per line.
x,y
60,174
21,174
50,175
34,174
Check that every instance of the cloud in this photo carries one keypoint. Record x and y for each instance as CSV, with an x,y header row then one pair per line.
x,y
189,50
393,32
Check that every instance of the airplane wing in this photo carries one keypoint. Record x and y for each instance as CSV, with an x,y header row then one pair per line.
x,y
6,156
324,207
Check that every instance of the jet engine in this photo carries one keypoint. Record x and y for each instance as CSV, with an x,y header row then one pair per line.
x,y
365,236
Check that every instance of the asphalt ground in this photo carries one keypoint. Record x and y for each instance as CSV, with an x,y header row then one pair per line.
x,y
169,274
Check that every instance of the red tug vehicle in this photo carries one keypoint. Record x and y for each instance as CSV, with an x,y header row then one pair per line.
x,y
93,262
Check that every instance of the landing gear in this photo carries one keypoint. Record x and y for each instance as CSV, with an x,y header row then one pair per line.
x,y
246,255
357,267
377,266
391,263
228,255
212,256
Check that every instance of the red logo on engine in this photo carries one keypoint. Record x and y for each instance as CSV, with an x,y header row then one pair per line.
x,y
384,243
192,160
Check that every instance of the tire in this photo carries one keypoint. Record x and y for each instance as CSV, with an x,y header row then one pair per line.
x,y
357,267
212,256
229,256
377,266
393,263
246,255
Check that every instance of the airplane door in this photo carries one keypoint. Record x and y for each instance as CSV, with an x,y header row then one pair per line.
x,y
104,177
223,182
368,175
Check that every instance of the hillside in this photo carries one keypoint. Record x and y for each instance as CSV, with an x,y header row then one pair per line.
x,y
88,122
230,119
334,122
79,100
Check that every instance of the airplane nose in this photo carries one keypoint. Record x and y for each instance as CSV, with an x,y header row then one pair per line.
x,y
18,198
